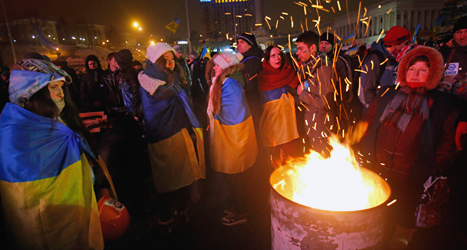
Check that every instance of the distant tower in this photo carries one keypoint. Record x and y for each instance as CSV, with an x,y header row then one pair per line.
x,y
222,18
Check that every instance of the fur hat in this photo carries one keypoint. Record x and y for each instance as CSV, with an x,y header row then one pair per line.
x,y
226,60
248,38
329,37
397,35
436,66
460,24
30,76
157,50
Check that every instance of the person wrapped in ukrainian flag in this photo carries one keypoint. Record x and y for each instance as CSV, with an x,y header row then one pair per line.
x,y
46,185
232,134
278,124
174,136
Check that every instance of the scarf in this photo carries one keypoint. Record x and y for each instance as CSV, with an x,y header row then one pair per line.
x,y
271,78
308,66
405,104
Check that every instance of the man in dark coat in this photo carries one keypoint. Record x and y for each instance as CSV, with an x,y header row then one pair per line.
x,y
130,83
252,56
92,86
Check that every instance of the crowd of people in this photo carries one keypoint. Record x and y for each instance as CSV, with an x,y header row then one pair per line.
x,y
399,103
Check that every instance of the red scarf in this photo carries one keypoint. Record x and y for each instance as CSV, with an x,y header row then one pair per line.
x,y
271,78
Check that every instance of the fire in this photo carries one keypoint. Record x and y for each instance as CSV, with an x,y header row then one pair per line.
x,y
335,183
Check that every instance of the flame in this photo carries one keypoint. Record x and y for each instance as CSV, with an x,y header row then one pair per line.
x,y
335,183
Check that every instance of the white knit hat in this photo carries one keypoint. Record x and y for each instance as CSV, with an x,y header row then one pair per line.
x,y
155,51
226,60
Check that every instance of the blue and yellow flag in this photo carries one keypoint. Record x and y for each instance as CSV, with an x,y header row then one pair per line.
x,y
46,43
278,124
349,38
233,139
46,184
205,53
173,26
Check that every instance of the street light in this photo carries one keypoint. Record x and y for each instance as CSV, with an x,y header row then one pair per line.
x,y
135,24
140,28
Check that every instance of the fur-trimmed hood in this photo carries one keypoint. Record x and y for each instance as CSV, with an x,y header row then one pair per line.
x,y
436,69
230,70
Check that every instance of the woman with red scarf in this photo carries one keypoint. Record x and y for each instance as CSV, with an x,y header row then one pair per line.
x,y
278,125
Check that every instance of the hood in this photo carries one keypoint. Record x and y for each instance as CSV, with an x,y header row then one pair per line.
x,y
253,51
436,70
380,47
230,72
124,59
93,58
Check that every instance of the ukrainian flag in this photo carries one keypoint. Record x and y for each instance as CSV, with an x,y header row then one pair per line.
x,y
46,184
233,140
175,139
278,124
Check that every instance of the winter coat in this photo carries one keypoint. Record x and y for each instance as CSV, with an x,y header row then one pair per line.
x,y
92,87
317,97
113,82
252,61
130,84
371,80
426,146
174,136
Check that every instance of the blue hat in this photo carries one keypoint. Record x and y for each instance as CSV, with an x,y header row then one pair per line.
x,y
30,76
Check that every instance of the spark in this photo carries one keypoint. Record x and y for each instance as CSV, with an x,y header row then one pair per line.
x,y
267,17
359,85
333,9
267,23
384,61
359,70
385,92
382,31
317,6
339,5
392,202
306,23
338,37
277,23
397,85
304,9
281,17
364,13
372,64
389,11
291,21
367,25
306,122
285,13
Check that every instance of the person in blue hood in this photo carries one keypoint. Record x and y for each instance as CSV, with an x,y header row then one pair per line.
x,y
380,63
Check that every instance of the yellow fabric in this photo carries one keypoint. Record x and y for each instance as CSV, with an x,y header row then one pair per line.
x,y
174,162
278,124
233,147
53,213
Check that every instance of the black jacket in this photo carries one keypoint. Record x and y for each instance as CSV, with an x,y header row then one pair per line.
x,y
253,66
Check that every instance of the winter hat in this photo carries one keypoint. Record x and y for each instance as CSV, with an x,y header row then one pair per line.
x,y
30,76
226,60
461,24
177,48
124,59
248,38
155,51
329,37
397,35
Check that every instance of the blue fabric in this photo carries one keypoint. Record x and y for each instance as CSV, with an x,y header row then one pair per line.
x,y
127,97
388,75
34,147
234,108
166,114
273,94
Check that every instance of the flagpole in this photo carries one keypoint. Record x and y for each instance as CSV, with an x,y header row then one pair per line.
x,y
187,26
9,33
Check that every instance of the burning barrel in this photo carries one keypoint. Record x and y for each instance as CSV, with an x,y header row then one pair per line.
x,y
330,203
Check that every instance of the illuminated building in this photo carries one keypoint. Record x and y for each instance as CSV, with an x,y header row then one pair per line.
x,y
228,18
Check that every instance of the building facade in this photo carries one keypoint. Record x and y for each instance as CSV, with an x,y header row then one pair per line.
x,y
228,18
386,14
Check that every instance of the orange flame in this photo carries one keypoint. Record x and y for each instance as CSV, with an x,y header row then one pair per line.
x,y
335,183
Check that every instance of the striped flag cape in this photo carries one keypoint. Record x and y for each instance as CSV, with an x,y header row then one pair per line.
x,y
45,184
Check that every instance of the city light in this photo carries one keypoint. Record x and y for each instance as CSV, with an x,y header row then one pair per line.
x,y
57,49
152,43
103,43
33,37
135,24
140,28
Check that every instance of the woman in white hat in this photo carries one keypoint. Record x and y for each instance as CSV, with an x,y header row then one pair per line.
x,y
174,136
232,134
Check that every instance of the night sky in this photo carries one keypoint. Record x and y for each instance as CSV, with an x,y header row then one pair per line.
x,y
154,15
